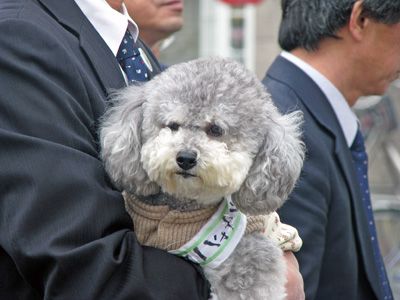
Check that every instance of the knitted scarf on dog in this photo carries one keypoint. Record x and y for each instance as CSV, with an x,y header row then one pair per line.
x,y
160,227
165,228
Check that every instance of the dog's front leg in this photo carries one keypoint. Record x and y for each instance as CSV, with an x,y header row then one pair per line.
x,y
255,270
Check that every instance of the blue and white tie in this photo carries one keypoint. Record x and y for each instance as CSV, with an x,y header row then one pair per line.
x,y
131,61
360,160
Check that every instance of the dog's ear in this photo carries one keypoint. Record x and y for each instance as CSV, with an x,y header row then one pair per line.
x,y
275,168
121,142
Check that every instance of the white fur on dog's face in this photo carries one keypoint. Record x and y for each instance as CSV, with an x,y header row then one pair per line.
x,y
223,160
217,173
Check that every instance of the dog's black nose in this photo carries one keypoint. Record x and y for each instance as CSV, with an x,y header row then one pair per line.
x,y
186,159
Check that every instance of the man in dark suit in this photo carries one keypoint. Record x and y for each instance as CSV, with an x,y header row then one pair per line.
x,y
334,52
64,232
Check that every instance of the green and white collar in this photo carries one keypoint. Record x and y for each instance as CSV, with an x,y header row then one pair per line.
x,y
217,239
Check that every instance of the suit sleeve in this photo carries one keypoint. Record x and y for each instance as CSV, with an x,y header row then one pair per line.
x,y
307,208
63,225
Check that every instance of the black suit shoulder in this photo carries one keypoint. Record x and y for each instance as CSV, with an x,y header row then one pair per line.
x,y
284,97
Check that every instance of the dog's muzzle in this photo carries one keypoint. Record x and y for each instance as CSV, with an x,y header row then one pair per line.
x,y
186,160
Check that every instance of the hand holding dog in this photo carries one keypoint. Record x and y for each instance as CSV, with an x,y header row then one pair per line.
x,y
294,285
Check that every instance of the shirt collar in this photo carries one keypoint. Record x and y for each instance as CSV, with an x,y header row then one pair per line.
x,y
347,119
109,23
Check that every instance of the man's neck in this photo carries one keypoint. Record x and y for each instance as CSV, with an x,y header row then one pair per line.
x,y
115,4
334,66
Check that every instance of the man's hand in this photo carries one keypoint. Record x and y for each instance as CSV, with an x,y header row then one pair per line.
x,y
294,284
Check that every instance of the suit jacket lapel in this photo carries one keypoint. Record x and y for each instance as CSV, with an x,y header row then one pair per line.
x,y
68,14
316,103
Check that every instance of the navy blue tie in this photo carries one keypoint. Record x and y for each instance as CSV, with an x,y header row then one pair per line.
x,y
131,61
360,160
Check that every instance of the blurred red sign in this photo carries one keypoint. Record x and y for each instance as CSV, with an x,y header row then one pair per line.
x,y
241,2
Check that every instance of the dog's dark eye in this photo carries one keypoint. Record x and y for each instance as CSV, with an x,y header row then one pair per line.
x,y
214,130
173,126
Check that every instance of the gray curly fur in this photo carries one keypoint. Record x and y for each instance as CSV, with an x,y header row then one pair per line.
x,y
121,142
196,94
254,271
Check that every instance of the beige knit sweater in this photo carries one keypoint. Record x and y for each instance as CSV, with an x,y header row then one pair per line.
x,y
163,228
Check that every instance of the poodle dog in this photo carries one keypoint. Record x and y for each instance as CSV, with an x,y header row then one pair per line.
x,y
204,138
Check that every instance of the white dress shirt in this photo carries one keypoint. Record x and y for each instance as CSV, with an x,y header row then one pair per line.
x,y
347,119
109,23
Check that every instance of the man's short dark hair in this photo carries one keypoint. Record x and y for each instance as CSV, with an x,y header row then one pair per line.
x,y
306,22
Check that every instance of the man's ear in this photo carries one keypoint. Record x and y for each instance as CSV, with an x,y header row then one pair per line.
x,y
358,22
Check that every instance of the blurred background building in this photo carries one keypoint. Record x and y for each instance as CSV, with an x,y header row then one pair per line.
x,y
212,27
249,34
